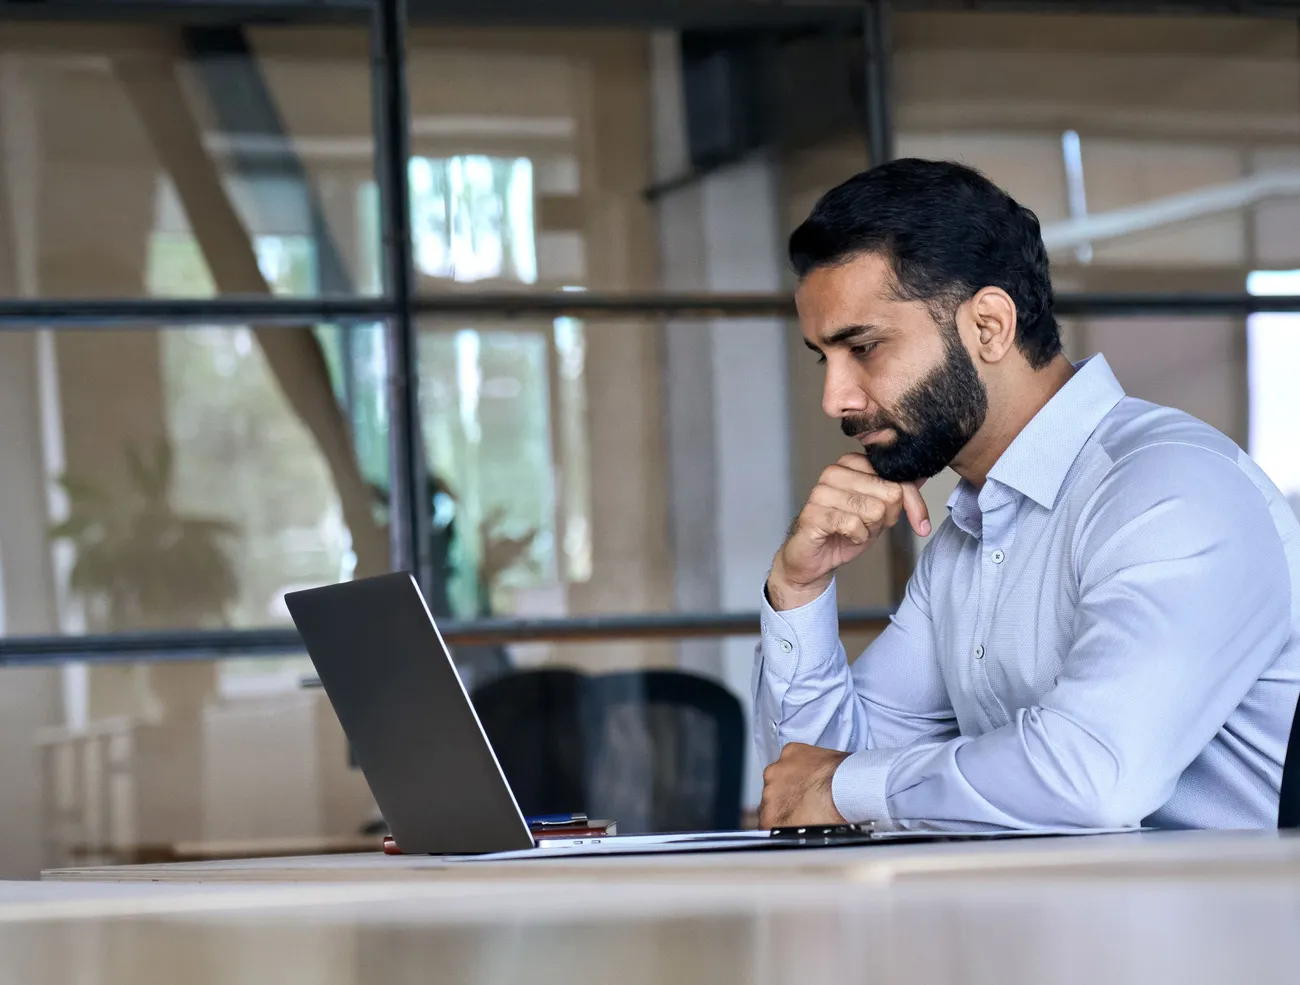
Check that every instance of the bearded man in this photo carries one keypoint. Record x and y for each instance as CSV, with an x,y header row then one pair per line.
x,y
1105,629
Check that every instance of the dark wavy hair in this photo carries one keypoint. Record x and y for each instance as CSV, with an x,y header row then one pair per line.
x,y
947,232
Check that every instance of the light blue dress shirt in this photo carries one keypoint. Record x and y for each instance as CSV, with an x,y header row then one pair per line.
x,y
1106,634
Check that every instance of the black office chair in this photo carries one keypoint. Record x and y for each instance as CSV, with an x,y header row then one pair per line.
x,y
1288,803
537,724
670,753
655,750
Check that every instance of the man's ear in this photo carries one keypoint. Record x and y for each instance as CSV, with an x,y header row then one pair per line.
x,y
993,316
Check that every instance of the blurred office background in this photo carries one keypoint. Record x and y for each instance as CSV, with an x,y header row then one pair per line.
x,y
573,398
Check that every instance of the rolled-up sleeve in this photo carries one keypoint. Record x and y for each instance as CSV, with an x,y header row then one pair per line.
x,y
1184,602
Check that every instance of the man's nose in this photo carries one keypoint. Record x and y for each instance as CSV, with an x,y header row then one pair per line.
x,y
842,396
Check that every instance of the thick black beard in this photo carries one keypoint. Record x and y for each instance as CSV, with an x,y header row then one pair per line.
x,y
942,411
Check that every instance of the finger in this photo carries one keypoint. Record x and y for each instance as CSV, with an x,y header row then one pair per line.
x,y
865,507
918,514
836,522
893,510
890,494
867,483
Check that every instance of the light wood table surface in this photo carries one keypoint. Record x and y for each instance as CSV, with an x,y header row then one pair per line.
x,y
1191,909
1269,854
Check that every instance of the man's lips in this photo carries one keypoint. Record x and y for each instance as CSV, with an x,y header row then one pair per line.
x,y
874,437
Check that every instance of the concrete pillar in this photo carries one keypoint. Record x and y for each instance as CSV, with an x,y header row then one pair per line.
x,y
29,697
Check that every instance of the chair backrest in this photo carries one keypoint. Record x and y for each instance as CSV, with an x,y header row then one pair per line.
x,y
670,753
656,750
535,722
1288,804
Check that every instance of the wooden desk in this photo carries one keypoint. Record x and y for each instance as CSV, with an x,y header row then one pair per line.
x,y
1248,854
204,851
1196,909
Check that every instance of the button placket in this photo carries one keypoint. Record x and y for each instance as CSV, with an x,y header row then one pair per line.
x,y
998,524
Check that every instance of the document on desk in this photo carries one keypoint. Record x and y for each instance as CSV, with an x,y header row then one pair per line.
x,y
734,841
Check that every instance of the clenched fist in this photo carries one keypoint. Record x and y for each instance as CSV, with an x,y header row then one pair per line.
x,y
798,787
848,509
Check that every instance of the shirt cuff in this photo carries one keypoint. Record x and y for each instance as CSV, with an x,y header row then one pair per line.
x,y
859,785
812,629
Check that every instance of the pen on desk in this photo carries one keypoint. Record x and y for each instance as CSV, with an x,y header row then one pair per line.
x,y
555,820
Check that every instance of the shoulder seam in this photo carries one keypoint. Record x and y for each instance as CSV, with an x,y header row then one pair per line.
x,y
1090,504
1172,441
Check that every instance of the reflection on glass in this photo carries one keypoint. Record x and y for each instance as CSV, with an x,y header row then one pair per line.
x,y
504,415
1273,353
204,471
472,218
102,138
486,406
575,481
239,445
175,265
1158,152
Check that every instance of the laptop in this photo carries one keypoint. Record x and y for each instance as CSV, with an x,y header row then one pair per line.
x,y
414,732
419,743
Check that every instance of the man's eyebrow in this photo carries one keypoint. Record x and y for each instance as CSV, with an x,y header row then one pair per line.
x,y
849,333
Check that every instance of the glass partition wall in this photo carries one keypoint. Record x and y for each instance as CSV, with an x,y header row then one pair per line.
x,y
295,296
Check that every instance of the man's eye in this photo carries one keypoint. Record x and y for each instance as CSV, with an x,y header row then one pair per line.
x,y
821,360
864,349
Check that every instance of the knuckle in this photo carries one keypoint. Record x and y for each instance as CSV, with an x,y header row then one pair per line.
x,y
866,506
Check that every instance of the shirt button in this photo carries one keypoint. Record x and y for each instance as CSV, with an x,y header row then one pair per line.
x,y
771,727
997,557
786,646
979,651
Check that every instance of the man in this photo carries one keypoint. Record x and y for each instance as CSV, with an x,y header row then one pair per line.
x,y
1104,632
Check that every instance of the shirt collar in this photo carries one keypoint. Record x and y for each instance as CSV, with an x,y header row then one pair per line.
x,y
1038,460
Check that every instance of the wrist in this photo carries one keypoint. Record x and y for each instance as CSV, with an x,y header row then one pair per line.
x,y
784,593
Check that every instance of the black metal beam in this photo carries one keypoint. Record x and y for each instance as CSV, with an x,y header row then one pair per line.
x,y
877,61
189,11
255,643
408,501
19,313
1243,8
165,312
1192,305
877,58
577,13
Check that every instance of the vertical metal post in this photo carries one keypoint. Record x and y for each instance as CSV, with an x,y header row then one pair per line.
x,y
877,57
879,93
408,493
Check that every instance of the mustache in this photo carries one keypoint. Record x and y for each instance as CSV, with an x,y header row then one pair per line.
x,y
854,426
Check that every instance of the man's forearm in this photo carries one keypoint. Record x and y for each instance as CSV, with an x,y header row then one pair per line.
x,y
803,691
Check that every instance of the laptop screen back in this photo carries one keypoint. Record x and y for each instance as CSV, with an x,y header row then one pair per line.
x,y
414,733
